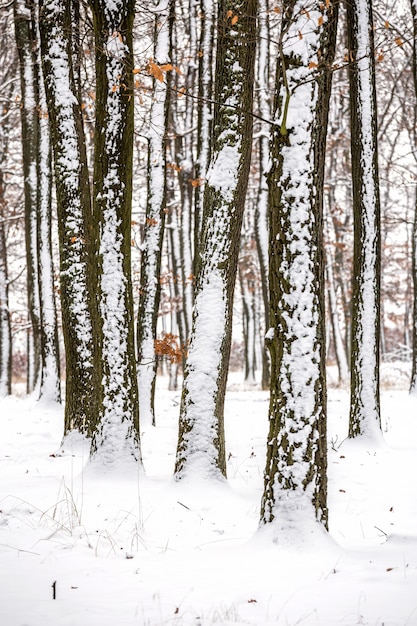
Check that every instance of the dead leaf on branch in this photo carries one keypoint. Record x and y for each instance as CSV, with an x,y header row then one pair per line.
x,y
158,71
169,347
196,182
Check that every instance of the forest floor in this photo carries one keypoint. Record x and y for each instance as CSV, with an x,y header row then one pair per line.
x,y
80,546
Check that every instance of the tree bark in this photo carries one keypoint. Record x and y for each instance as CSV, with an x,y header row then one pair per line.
x,y
75,223
201,444
116,427
364,416
413,382
295,480
50,382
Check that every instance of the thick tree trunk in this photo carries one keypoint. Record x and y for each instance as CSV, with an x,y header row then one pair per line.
x,y
116,427
365,403
295,483
75,224
201,445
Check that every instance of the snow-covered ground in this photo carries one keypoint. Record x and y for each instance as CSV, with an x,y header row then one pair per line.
x,y
124,548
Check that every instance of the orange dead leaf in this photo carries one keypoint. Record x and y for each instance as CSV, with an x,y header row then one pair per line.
x,y
235,20
174,166
155,71
399,41
166,67
73,239
276,10
136,70
151,221
229,14
300,34
387,24
196,182
320,20
168,346
312,65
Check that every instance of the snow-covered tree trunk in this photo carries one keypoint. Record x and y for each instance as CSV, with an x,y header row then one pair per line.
x,y
365,403
261,221
247,288
5,328
116,428
413,382
75,225
295,480
5,322
155,217
25,41
201,445
50,383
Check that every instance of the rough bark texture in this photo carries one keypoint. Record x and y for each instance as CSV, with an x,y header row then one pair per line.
x,y
365,403
295,489
75,224
201,445
116,427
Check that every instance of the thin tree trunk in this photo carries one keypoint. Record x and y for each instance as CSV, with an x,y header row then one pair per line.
x,y
413,382
205,112
261,221
5,327
365,402
50,384
25,40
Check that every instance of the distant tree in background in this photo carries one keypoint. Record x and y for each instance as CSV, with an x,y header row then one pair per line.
x,y
26,42
43,359
8,65
152,244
